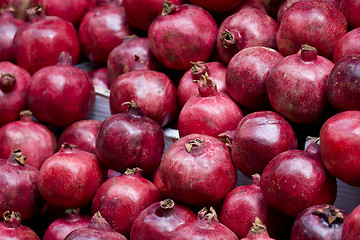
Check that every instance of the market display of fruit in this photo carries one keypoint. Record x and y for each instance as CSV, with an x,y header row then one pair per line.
x,y
180,119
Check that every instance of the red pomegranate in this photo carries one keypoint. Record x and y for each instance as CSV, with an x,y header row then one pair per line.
x,y
11,228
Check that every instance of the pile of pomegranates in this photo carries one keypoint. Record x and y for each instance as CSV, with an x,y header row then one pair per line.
x,y
180,119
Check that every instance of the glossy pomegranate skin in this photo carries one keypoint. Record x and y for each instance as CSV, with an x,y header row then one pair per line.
x,y
201,177
350,9
348,44
70,177
296,86
246,76
295,180
81,133
11,228
319,222
132,54
153,91
96,37
39,42
12,91
215,7
60,103
342,87
351,225
126,195
188,85
35,140
100,78
246,28
8,27
316,23
160,219
258,138
187,33
338,146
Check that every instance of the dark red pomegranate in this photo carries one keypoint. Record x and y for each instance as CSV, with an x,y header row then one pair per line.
x,y
34,139
342,85
8,27
197,170
81,133
97,37
347,45
319,222
214,6
316,23
153,91
40,41
160,219
350,9
98,229
181,35
61,227
258,231
246,76
11,228
351,228
296,86
295,180
339,137
70,177
138,139
100,78
188,85
19,187
60,94
13,82
127,196
206,226
132,54
246,28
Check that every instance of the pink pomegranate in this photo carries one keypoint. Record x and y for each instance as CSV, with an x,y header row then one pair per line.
x,y
181,35
246,76
197,170
98,38
126,195
258,231
188,85
350,9
214,6
316,23
35,140
296,86
13,82
35,48
11,228
70,177
348,44
246,28
160,219
100,78
351,226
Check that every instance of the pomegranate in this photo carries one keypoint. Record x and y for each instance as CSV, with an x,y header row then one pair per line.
x,y
206,226
188,84
98,229
351,227
13,82
246,74
61,227
11,228
339,137
160,219
81,133
39,42
348,44
316,23
19,6
100,78
70,177
132,54
257,231
197,170
141,13
295,180
214,6
19,189
153,91
319,222
210,113
342,87
97,37
60,94
127,196
296,86
159,184
182,34
246,28
100,3
8,27
258,138
350,9
35,140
